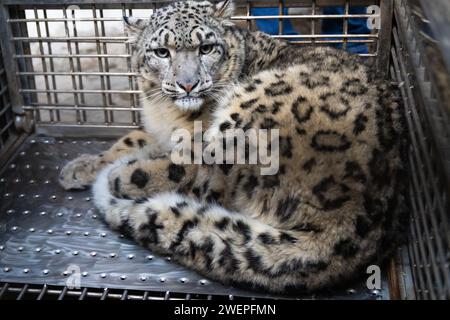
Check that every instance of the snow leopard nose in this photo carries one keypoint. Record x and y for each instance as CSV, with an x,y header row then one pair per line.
x,y
188,86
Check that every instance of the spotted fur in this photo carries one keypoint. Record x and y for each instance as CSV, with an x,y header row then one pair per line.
x,y
334,204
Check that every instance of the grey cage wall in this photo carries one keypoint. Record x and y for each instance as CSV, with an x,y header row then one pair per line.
x,y
67,86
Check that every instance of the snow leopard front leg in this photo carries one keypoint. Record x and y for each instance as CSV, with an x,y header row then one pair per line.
x,y
138,177
82,171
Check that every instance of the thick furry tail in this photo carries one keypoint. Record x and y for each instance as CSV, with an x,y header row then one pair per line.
x,y
225,246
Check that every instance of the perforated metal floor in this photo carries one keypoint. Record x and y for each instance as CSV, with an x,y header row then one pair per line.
x,y
46,233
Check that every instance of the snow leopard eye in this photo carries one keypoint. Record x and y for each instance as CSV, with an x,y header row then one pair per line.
x,y
206,48
162,53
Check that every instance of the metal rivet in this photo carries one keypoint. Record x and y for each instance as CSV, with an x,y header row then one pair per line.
x,y
27,166
33,141
59,214
2,180
56,167
184,280
37,153
130,256
26,212
26,270
37,196
42,213
10,211
66,273
16,180
20,249
93,253
65,154
32,181
351,291
150,257
203,282
53,197
14,228
143,278
69,198
74,142
103,275
60,142
32,229
57,251
22,153
375,292
112,255
84,274
75,253
49,231
7,195
78,215
68,233
94,216
162,279
123,277
6,269
86,233
45,271
102,234
21,196
87,199
38,249
46,181
12,166
2,247
169,259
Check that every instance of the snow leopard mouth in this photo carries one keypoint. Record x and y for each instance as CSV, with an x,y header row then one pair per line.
x,y
189,103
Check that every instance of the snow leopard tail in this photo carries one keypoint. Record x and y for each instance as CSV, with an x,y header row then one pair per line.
x,y
232,248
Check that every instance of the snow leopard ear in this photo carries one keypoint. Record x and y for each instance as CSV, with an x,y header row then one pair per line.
x,y
224,9
134,25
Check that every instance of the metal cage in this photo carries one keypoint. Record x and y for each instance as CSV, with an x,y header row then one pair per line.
x,y
67,84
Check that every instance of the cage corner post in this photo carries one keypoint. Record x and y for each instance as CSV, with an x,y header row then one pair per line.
x,y
384,34
10,48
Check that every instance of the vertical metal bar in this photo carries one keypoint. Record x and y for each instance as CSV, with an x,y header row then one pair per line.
x,y
128,49
100,66
313,22
22,292
108,79
280,21
384,35
42,292
8,58
52,66
248,9
72,68
83,294
78,64
124,295
104,294
63,293
145,296
4,289
43,62
345,26
167,295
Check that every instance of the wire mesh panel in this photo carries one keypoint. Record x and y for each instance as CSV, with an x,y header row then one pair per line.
x,y
429,132
76,71
6,114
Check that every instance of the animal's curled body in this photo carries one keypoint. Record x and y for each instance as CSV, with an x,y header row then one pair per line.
x,y
333,207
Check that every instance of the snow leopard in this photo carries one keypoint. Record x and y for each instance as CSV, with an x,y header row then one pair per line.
x,y
337,201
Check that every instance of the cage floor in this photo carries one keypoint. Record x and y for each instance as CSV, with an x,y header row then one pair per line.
x,y
50,236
